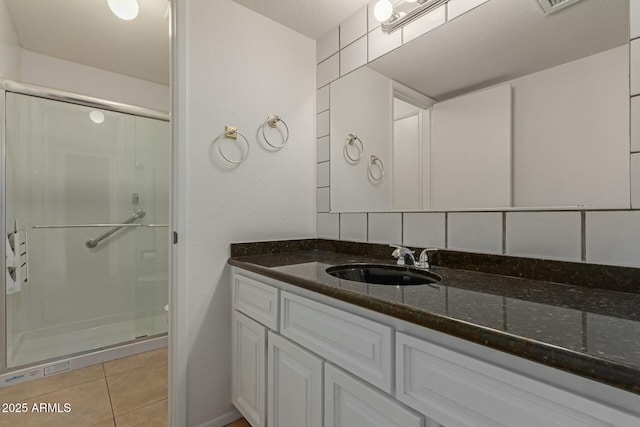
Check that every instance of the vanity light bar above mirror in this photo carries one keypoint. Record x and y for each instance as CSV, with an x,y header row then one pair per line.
x,y
393,17
551,6
396,17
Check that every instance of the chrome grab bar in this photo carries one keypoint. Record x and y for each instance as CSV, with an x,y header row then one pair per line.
x,y
92,243
42,227
38,227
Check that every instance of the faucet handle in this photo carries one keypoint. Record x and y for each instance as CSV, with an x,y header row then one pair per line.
x,y
396,252
400,253
400,250
423,261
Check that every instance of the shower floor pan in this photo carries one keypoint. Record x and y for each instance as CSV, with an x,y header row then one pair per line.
x,y
35,346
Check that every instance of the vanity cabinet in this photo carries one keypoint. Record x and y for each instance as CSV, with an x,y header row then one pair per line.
x,y
298,362
294,378
248,362
303,359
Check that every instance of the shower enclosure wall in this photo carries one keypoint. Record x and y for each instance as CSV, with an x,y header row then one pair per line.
x,y
85,213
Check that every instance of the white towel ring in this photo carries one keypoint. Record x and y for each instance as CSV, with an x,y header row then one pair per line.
x,y
375,161
232,133
355,141
273,121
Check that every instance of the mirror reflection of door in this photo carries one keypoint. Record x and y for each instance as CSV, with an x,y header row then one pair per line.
x,y
409,153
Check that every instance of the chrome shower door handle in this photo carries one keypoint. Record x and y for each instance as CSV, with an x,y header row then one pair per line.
x,y
92,243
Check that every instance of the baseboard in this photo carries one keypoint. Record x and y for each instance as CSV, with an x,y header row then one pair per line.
x,y
223,420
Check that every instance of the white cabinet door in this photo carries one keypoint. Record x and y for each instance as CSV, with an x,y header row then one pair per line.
x,y
352,403
248,368
295,385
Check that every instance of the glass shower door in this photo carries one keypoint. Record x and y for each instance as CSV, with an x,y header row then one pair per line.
x,y
73,174
152,178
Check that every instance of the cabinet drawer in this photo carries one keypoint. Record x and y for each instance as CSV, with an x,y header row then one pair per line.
x,y
256,300
349,402
461,391
352,342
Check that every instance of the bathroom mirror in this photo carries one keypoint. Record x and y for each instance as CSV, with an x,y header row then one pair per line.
x,y
464,117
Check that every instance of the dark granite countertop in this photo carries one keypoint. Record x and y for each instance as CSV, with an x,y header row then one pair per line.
x,y
592,331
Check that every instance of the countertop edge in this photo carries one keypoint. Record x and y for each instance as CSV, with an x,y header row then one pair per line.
x,y
617,375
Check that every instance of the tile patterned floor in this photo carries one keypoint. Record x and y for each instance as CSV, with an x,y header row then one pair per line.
x,y
240,423
127,392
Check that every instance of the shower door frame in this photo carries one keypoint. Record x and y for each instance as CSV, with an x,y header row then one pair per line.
x,y
55,95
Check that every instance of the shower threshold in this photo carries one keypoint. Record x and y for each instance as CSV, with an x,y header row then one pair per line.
x,y
81,360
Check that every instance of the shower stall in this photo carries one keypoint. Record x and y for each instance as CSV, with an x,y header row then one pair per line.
x,y
84,214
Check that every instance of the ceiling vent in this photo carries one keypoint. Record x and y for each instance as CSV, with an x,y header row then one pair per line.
x,y
551,6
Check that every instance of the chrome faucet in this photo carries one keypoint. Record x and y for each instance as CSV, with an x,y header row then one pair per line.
x,y
423,261
404,255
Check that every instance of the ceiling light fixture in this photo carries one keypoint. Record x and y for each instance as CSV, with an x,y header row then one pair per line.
x,y
124,9
96,116
383,10
392,20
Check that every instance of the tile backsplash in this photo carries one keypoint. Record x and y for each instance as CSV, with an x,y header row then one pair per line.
x,y
328,45
328,70
554,235
353,56
475,231
328,226
354,227
385,228
353,28
613,237
424,229
600,237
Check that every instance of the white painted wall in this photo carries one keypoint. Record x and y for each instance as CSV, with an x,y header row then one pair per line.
x,y
51,72
9,46
234,67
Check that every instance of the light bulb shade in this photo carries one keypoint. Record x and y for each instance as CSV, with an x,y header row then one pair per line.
x,y
124,9
96,116
383,10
